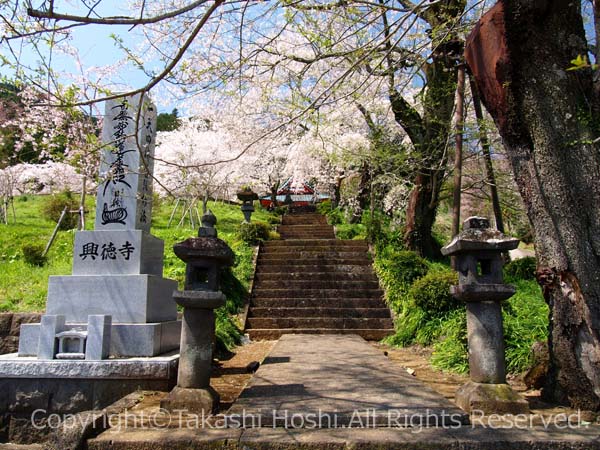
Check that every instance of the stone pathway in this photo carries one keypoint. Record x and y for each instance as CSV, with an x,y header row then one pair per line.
x,y
338,380
340,374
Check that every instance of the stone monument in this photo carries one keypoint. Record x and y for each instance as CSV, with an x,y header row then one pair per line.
x,y
116,299
111,327
204,255
478,251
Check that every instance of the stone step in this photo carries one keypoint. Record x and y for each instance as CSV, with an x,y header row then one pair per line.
x,y
272,334
313,248
315,276
318,262
317,243
284,268
332,283
319,322
316,293
305,228
301,236
317,302
275,312
312,254
304,219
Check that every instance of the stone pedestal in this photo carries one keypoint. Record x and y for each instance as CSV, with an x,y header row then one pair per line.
x,y
490,398
193,392
478,259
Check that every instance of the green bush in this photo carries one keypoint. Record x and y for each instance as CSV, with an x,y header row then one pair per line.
x,y
432,293
397,270
255,232
521,269
33,254
405,266
53,208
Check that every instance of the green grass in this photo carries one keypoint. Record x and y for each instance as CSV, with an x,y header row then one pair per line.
x,y
23,287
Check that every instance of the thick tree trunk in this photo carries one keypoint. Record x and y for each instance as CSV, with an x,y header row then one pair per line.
x,y
546,116
420,215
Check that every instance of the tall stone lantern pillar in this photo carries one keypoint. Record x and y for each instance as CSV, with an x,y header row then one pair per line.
x,y
204,256
478,251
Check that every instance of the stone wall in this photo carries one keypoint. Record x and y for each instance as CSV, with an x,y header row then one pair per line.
x,y
10,325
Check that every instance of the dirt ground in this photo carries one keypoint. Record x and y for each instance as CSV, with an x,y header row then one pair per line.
x,y
231,374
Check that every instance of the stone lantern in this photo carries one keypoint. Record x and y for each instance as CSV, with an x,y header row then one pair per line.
x,y
204,256
478,253
247,197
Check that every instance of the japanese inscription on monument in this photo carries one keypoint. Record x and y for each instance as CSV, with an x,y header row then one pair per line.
x,y
125,192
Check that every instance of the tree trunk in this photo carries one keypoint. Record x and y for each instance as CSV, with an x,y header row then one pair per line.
x,y
458,127
548,119
431,141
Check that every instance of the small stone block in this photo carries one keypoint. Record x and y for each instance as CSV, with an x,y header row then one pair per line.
x,y
490,399
194,401
476,222
98,337
50,326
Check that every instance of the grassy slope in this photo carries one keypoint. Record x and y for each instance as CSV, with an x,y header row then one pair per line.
x,y
24,288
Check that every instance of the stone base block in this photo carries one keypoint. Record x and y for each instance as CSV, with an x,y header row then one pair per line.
x,y
134,339
127,298
67,386
194,401
491,399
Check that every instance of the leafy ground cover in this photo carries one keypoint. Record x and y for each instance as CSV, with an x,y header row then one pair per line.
x,y
23,287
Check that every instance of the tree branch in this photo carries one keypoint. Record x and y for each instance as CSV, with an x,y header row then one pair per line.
x,y
116,20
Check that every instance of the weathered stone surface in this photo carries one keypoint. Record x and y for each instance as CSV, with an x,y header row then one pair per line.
x,y
204,248
343,377
28,400
118,252
161,367
22,431
168,439
127,298
486,342
72,396
490,399
74,431
199,299
194,401
480,239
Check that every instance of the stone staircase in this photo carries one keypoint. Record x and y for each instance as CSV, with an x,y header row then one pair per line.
x,y
311,283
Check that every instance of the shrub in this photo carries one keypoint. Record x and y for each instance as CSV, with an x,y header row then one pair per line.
x,y
432,293
33,254
521,269
397,270
53,208
404,266
254,232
